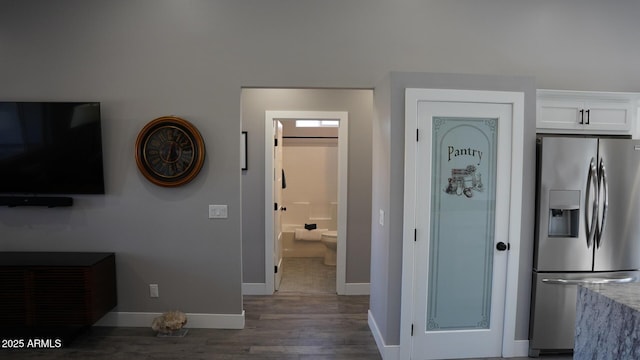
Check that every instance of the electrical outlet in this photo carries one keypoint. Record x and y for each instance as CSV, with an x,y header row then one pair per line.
x,y
153,291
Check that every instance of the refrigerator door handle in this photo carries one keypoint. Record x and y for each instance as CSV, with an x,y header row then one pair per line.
x,y
602,186
588,281
592,178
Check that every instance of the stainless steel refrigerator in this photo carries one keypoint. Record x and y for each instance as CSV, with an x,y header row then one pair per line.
x,y
587,228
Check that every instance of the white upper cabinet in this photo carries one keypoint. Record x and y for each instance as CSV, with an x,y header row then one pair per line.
x,y
582,112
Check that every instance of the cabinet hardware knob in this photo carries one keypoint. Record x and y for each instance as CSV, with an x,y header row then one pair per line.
x,y
588,112
581,116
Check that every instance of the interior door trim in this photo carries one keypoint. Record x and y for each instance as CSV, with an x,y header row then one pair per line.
x,y
510,346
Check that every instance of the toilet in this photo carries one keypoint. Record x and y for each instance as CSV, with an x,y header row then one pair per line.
x,y
330,241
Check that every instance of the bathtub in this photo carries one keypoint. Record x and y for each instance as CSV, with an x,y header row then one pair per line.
x,y
299,248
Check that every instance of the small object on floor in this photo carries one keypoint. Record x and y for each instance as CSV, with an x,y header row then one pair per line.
x,y
170,323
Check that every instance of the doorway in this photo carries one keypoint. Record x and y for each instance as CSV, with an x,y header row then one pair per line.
x,y
274,179
463,191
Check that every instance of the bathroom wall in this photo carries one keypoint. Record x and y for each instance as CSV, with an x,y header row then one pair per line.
x,y
311,193
311,172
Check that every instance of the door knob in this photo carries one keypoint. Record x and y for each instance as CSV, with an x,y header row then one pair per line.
x,y
501,246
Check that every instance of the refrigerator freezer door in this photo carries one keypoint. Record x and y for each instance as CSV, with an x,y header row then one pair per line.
x,y
553,314
619,245
564,216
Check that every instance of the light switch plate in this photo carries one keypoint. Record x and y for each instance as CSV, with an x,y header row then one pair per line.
x,y
218,212
381,217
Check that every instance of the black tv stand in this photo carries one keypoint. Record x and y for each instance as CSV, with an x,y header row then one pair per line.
x,y
48,201
54,295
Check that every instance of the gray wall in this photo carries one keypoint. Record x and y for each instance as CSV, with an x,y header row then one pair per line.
x,y
148,58
359,105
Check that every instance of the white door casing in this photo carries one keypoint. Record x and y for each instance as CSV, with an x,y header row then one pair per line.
x,y
343,136
420,104
277,199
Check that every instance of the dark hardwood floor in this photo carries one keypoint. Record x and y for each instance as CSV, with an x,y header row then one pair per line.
x,y
304,321
305,327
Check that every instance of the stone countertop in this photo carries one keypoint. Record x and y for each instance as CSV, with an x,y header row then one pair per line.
x,y
608,322
626,294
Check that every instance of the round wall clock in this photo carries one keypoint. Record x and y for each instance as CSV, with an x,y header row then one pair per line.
x,y
169,151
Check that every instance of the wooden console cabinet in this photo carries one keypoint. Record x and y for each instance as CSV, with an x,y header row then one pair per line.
x,y
55,289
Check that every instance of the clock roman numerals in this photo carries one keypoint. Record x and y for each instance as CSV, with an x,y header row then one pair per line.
x,y
169,152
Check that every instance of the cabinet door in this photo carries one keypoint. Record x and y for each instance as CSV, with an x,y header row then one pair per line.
x,y
584,112
559,114
608,115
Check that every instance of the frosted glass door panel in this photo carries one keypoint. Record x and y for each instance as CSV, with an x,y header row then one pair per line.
x,y
463,202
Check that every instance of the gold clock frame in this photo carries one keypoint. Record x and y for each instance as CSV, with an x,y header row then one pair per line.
x,y
192,169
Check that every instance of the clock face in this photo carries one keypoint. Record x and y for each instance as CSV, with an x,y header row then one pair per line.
x,y
169,151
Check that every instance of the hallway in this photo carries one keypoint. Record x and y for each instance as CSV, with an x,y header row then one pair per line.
x,y
307,276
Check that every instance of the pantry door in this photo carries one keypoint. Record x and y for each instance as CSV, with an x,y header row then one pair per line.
x,y
462,232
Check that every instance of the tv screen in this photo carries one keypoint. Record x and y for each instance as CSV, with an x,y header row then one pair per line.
x,y
51,148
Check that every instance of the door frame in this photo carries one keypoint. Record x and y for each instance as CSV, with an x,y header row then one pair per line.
x,y
412,97
276,190
343,137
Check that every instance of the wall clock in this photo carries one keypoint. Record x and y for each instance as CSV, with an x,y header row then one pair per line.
x,y
169,151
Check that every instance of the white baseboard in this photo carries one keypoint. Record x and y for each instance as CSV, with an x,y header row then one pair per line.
x,y
357,288
388,352
194,320
518,348
261,289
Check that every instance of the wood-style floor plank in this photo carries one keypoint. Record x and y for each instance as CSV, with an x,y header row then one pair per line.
x,y
301,327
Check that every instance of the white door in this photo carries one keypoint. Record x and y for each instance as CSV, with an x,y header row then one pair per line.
x,y
461,178
278,206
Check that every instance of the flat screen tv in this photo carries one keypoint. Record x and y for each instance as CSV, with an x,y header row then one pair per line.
x,y
50,148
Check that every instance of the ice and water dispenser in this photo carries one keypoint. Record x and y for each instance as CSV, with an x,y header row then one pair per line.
x,y
564,212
